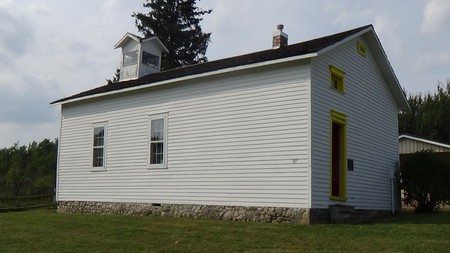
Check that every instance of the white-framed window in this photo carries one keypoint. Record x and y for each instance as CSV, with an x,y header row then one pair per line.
x,y
157,143
130,58
150,59
99,146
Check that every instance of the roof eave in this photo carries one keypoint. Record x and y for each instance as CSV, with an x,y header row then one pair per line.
x,y
189,77
387,71
424,140
347,39
125,38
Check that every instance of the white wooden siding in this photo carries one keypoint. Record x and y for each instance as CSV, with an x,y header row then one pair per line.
x,y
131,45
371,129
233,139
408,146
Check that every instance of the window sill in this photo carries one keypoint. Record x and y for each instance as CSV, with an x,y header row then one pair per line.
x,y
98,169
338,198
153,167
339,91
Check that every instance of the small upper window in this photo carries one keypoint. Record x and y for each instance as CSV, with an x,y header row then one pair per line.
x,y
337,78
99,146
150,59
158,141
130,58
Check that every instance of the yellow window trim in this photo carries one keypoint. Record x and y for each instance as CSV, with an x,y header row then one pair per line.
x,y
341,119
338,198
361,48
337,76
338,117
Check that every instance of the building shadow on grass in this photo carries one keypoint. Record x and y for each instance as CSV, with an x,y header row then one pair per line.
x,y
409,217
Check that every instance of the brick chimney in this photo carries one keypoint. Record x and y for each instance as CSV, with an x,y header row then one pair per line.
x,y
280,39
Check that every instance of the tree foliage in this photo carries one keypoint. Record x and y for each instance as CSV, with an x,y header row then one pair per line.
x,y
429,116
28,170
425,180
177,24
116,77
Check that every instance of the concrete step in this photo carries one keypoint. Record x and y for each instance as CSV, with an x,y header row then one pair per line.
x,y
344,214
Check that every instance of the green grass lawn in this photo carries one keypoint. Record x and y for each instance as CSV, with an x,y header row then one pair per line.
x,y
48,231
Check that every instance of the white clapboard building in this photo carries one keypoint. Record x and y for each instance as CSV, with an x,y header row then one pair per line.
x,y
278,135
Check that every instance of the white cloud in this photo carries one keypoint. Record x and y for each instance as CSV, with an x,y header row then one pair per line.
x,y
65,50
50,49
344,14
436,16
388,29
433,62
16,34
231,18
25,100
26,133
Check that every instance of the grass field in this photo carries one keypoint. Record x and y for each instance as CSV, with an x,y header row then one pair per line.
x,y
48,231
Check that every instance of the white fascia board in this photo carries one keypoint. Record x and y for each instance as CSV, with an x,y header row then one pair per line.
x,y
125,38
190,77
423,140
349,38
388,72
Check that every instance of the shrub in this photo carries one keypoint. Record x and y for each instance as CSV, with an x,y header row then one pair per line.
x,y
425,179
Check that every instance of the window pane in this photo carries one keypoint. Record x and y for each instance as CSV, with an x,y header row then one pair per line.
x,y
156,153
99,134
150,59
337,78
157,140
130,58
97,159
334,83
157,130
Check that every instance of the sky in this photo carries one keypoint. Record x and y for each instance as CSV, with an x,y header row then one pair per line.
x,y
50,49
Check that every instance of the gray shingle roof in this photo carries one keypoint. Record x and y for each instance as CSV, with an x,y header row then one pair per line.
x,y
303,48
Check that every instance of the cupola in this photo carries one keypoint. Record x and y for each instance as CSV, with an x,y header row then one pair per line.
x,y
140,56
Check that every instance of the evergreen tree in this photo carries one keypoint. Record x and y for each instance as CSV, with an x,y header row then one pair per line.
x,y
116,77
429,116
177,24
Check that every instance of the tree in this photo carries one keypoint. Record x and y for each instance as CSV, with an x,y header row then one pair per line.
x,y
116,77
429,116
42,166
28,170
16,178
177,24
425,180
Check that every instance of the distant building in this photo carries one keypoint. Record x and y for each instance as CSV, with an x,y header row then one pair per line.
x,y
410,144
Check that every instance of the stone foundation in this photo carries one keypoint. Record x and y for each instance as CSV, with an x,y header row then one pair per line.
x,y
333,214
232,213
319,216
